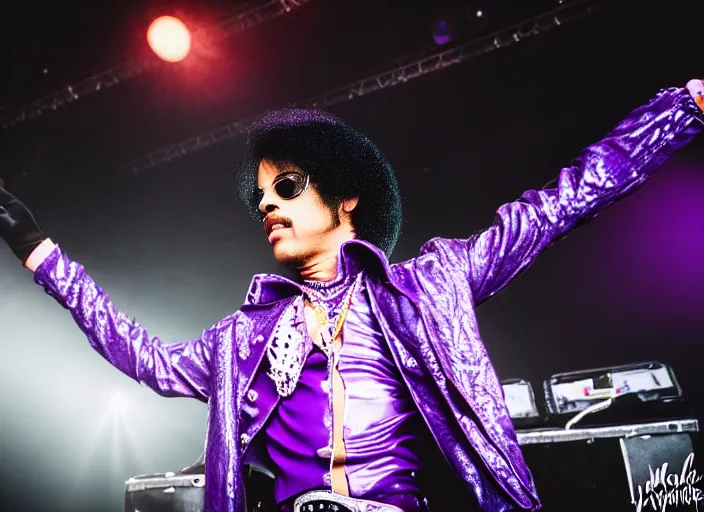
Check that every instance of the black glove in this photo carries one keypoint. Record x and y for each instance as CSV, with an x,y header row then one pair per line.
x,y
17,226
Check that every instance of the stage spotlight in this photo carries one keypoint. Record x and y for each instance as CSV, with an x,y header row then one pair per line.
x,y
169,38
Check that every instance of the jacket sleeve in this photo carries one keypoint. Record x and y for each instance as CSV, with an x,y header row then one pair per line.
x,y
604,173
171,369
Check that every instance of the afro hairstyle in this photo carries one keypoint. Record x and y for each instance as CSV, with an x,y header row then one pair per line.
x,y
342,164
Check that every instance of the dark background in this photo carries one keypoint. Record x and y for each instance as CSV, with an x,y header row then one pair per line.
x,y
175,249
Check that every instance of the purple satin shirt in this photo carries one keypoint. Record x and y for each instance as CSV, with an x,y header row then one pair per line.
x,y
379,421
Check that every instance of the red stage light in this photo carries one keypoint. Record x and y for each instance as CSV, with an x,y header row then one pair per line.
x,y
169,38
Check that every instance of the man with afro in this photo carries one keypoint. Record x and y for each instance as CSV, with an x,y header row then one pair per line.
x,y
360,385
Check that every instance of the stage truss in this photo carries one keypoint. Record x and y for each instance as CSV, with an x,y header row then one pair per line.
x,y
402,72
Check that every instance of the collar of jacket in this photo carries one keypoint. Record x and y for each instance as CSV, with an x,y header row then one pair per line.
x,y
354,256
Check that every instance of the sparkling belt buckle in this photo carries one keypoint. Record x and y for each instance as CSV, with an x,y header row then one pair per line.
x,y
326,501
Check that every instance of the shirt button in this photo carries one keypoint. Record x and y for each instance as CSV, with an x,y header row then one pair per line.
x,y
252,395
244,438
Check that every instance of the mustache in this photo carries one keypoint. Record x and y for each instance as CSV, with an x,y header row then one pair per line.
x,y
270,221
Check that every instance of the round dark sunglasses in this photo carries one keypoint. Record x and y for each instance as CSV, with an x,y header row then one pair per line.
x,y
288,185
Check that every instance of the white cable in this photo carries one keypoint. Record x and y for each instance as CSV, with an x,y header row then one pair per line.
x,y
599,406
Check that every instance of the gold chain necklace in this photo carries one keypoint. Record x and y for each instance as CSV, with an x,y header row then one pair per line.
x,y
322,316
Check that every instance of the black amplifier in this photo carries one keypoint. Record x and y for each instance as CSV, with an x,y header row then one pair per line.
x,y
630,468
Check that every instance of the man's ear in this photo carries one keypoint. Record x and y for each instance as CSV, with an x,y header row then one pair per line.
x,y
349,204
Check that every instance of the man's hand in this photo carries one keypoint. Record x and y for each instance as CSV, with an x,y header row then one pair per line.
x,y
17,226
696,89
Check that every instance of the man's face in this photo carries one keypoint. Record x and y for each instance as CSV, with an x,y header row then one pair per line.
x,y
299,228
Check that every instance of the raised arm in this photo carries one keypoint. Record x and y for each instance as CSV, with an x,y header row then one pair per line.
x,y
604,173
170,369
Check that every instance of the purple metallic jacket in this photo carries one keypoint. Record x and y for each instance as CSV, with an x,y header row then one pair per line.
x,y
425,307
